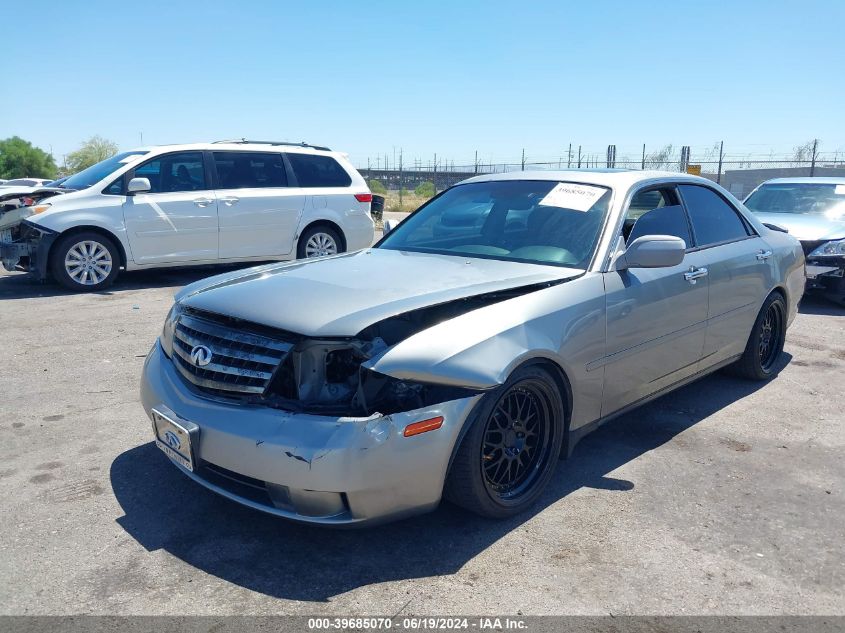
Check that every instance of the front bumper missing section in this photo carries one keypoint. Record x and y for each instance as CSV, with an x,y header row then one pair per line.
x,y
27,248
309,468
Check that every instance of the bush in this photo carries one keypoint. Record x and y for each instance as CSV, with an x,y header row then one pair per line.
x,y
377,187
425,189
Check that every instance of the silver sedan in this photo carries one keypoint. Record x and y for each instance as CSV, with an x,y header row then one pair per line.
x,y
464,363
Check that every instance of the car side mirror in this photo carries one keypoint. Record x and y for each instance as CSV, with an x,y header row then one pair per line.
x,y
138,185
652,251
388,225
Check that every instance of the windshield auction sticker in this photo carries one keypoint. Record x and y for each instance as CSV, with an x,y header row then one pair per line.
x,y
571,196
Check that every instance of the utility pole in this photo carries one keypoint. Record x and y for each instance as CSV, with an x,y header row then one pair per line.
x,y
523,159
434,174
476,161
400,178
721,156
643,163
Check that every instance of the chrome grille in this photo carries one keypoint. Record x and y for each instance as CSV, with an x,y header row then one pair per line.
x,y
242,362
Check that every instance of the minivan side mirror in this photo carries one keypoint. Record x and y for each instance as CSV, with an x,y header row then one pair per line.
x,y
138,185
652,251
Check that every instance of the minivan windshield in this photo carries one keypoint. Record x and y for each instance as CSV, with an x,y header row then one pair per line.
x,y
536,221
95,173
803,198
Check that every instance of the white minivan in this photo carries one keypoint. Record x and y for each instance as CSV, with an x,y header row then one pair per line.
x,y
203,203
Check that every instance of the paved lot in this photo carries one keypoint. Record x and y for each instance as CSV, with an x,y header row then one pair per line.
x,y
725,497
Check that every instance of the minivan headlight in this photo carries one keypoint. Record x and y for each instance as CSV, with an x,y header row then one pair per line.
x,y
835,248
169,328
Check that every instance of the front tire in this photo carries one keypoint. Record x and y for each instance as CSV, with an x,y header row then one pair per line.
x,y
761,359
509,453
319,241
85,262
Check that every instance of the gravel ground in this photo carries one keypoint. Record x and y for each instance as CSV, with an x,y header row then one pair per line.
x,y
725,497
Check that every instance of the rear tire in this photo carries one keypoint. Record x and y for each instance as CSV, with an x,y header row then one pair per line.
x,y
761,359
319,241
85,262
510,452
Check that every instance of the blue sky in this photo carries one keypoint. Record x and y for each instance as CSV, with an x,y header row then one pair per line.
x,y
446,77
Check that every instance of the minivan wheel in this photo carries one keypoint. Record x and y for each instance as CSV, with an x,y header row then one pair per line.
x,y
761,359
509,453
85,262
319,241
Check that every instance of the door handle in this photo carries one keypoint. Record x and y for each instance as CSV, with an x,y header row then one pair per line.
x,y
764,255
695,273
203,202
229,200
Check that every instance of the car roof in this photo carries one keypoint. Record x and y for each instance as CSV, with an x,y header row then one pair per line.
x,y
241,146
821,180
619,178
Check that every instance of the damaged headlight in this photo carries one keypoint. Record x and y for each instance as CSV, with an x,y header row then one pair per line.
x,y
386,395
167,332
835,248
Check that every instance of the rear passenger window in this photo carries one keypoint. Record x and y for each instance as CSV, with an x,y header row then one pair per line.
x,y
713,219
249,170
318,171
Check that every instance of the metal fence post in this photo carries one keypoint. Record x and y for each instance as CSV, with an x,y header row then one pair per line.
x,y
523,159
721,156
813,159
642,166
434,173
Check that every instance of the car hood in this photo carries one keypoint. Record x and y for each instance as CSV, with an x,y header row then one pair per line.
x,y
806,227
340,296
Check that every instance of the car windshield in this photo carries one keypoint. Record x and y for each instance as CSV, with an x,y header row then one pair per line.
x,y
537,221
804,198
95,173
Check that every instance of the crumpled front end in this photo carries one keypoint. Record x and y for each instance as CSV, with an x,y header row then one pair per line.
x,y
25,246
324,469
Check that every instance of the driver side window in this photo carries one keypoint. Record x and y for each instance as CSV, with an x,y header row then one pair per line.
x,y
656,212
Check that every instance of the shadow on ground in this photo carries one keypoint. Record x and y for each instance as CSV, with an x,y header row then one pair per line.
x,y
165,510
25,286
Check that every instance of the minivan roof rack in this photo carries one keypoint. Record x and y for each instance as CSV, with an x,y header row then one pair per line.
x,y
242,141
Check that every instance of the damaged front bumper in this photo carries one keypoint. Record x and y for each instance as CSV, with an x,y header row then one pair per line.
x,y
311,468
827,275
26,247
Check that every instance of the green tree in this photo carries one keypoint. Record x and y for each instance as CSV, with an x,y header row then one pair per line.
x,y
19,159
376,186
425,189
92,152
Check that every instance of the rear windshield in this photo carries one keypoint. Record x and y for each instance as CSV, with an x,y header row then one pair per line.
x,y
318,171
541,222
803,198
103,169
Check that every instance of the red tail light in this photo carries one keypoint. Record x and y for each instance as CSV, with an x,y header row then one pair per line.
x,y
364,197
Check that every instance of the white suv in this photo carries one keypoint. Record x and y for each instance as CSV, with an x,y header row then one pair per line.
x,y
204,203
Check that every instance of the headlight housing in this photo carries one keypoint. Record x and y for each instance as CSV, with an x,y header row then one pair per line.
x,y
169,328
835,248
40,208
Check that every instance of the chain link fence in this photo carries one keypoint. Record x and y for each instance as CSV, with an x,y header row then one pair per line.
x,y
405,188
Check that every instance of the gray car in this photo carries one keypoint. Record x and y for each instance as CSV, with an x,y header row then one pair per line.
x,y
813,211
367,386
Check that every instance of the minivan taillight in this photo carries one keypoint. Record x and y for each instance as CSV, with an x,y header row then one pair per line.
x,y
364,197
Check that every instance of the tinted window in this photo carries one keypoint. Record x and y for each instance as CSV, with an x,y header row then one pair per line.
x,y
713,219
241,170
656,212
669,220
542,222
170,173
318,171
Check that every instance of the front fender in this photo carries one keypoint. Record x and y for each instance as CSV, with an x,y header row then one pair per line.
x,y
479,349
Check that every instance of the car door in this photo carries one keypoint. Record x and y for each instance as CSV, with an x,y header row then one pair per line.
x,y
176,220
737,261
258,209
656,317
